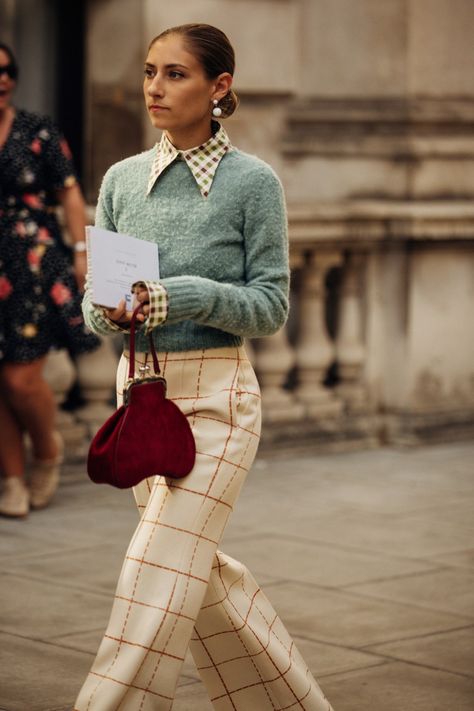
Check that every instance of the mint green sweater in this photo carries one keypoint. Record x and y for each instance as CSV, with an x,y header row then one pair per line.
x,y
223,259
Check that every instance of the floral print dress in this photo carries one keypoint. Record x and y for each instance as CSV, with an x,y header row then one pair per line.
x,y
40,305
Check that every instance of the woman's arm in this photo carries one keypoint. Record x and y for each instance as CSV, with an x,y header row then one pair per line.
x,y
61,178
75,216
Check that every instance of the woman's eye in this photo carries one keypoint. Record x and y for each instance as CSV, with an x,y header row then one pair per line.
x,y
149,72
176,75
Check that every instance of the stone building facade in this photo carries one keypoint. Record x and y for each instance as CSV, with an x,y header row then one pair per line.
x,y
366,111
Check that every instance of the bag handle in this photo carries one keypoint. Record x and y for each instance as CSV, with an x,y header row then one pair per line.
x,y
131,368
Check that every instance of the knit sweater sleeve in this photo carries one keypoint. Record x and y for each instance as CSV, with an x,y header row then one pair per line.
x,y
259,307
94,316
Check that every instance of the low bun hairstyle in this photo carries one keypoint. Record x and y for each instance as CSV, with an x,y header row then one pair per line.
x,y
215,53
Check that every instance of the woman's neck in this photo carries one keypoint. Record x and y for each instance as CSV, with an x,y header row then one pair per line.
x,y
185,140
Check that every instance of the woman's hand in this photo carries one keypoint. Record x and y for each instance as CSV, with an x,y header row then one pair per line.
x,y
122,317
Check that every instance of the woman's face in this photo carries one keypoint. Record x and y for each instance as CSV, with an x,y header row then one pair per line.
x,y
7,84
178,94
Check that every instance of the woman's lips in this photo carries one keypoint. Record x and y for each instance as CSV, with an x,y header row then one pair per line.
x,y
155,108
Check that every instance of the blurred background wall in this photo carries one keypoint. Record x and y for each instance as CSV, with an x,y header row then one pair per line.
x,y
365,108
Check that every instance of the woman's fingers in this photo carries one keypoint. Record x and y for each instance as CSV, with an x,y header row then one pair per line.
x,y
142,295
119,314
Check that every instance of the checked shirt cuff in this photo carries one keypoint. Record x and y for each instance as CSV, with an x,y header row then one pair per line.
x,y
158,304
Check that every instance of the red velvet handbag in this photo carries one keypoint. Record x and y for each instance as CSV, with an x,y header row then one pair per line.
x,y
146,436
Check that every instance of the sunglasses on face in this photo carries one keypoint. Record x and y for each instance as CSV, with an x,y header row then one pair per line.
x,y
9,70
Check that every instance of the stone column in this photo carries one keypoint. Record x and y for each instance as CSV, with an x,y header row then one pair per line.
x,y
350,347
315,350
274,358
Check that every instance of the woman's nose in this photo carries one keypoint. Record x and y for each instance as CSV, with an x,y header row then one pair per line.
x,y
155,87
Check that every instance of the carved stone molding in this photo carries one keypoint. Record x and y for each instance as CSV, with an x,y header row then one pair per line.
x,y
399,129
364,223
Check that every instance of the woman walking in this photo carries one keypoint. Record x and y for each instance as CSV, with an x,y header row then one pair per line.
x,y
218,217
40,303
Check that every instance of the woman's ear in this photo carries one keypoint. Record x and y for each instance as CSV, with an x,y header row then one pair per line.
x,y
222,85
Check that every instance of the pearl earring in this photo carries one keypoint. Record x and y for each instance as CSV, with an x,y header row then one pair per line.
x,y
216,111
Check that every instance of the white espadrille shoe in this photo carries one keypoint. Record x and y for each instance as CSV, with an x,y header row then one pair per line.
x,y
44,477
15,498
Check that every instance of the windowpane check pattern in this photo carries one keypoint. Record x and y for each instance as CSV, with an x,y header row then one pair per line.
x,y
202,161
176,589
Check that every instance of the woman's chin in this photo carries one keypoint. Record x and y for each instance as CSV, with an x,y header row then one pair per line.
x,y
159,122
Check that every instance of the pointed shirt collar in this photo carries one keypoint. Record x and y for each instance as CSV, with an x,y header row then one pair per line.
x,y
202,161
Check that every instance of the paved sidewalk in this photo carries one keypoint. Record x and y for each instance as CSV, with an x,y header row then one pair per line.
x,y
367,556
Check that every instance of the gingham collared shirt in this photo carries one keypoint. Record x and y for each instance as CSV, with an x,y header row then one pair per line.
x,y
202,161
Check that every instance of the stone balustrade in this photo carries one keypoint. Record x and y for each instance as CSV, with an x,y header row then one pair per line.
x,y
365,357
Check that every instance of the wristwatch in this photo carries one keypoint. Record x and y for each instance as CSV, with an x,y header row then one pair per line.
x,y
80,246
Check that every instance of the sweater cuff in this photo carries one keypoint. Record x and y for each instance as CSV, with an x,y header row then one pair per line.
x,y
186,296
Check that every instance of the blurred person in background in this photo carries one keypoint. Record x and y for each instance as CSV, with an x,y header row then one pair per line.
x,y
39,292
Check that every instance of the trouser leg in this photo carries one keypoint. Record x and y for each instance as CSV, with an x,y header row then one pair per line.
x,y
168,563
244,654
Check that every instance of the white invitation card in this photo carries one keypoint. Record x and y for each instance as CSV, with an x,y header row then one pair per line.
x,y
115,262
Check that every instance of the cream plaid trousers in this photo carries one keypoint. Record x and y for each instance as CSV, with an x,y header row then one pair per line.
x,y
176,590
